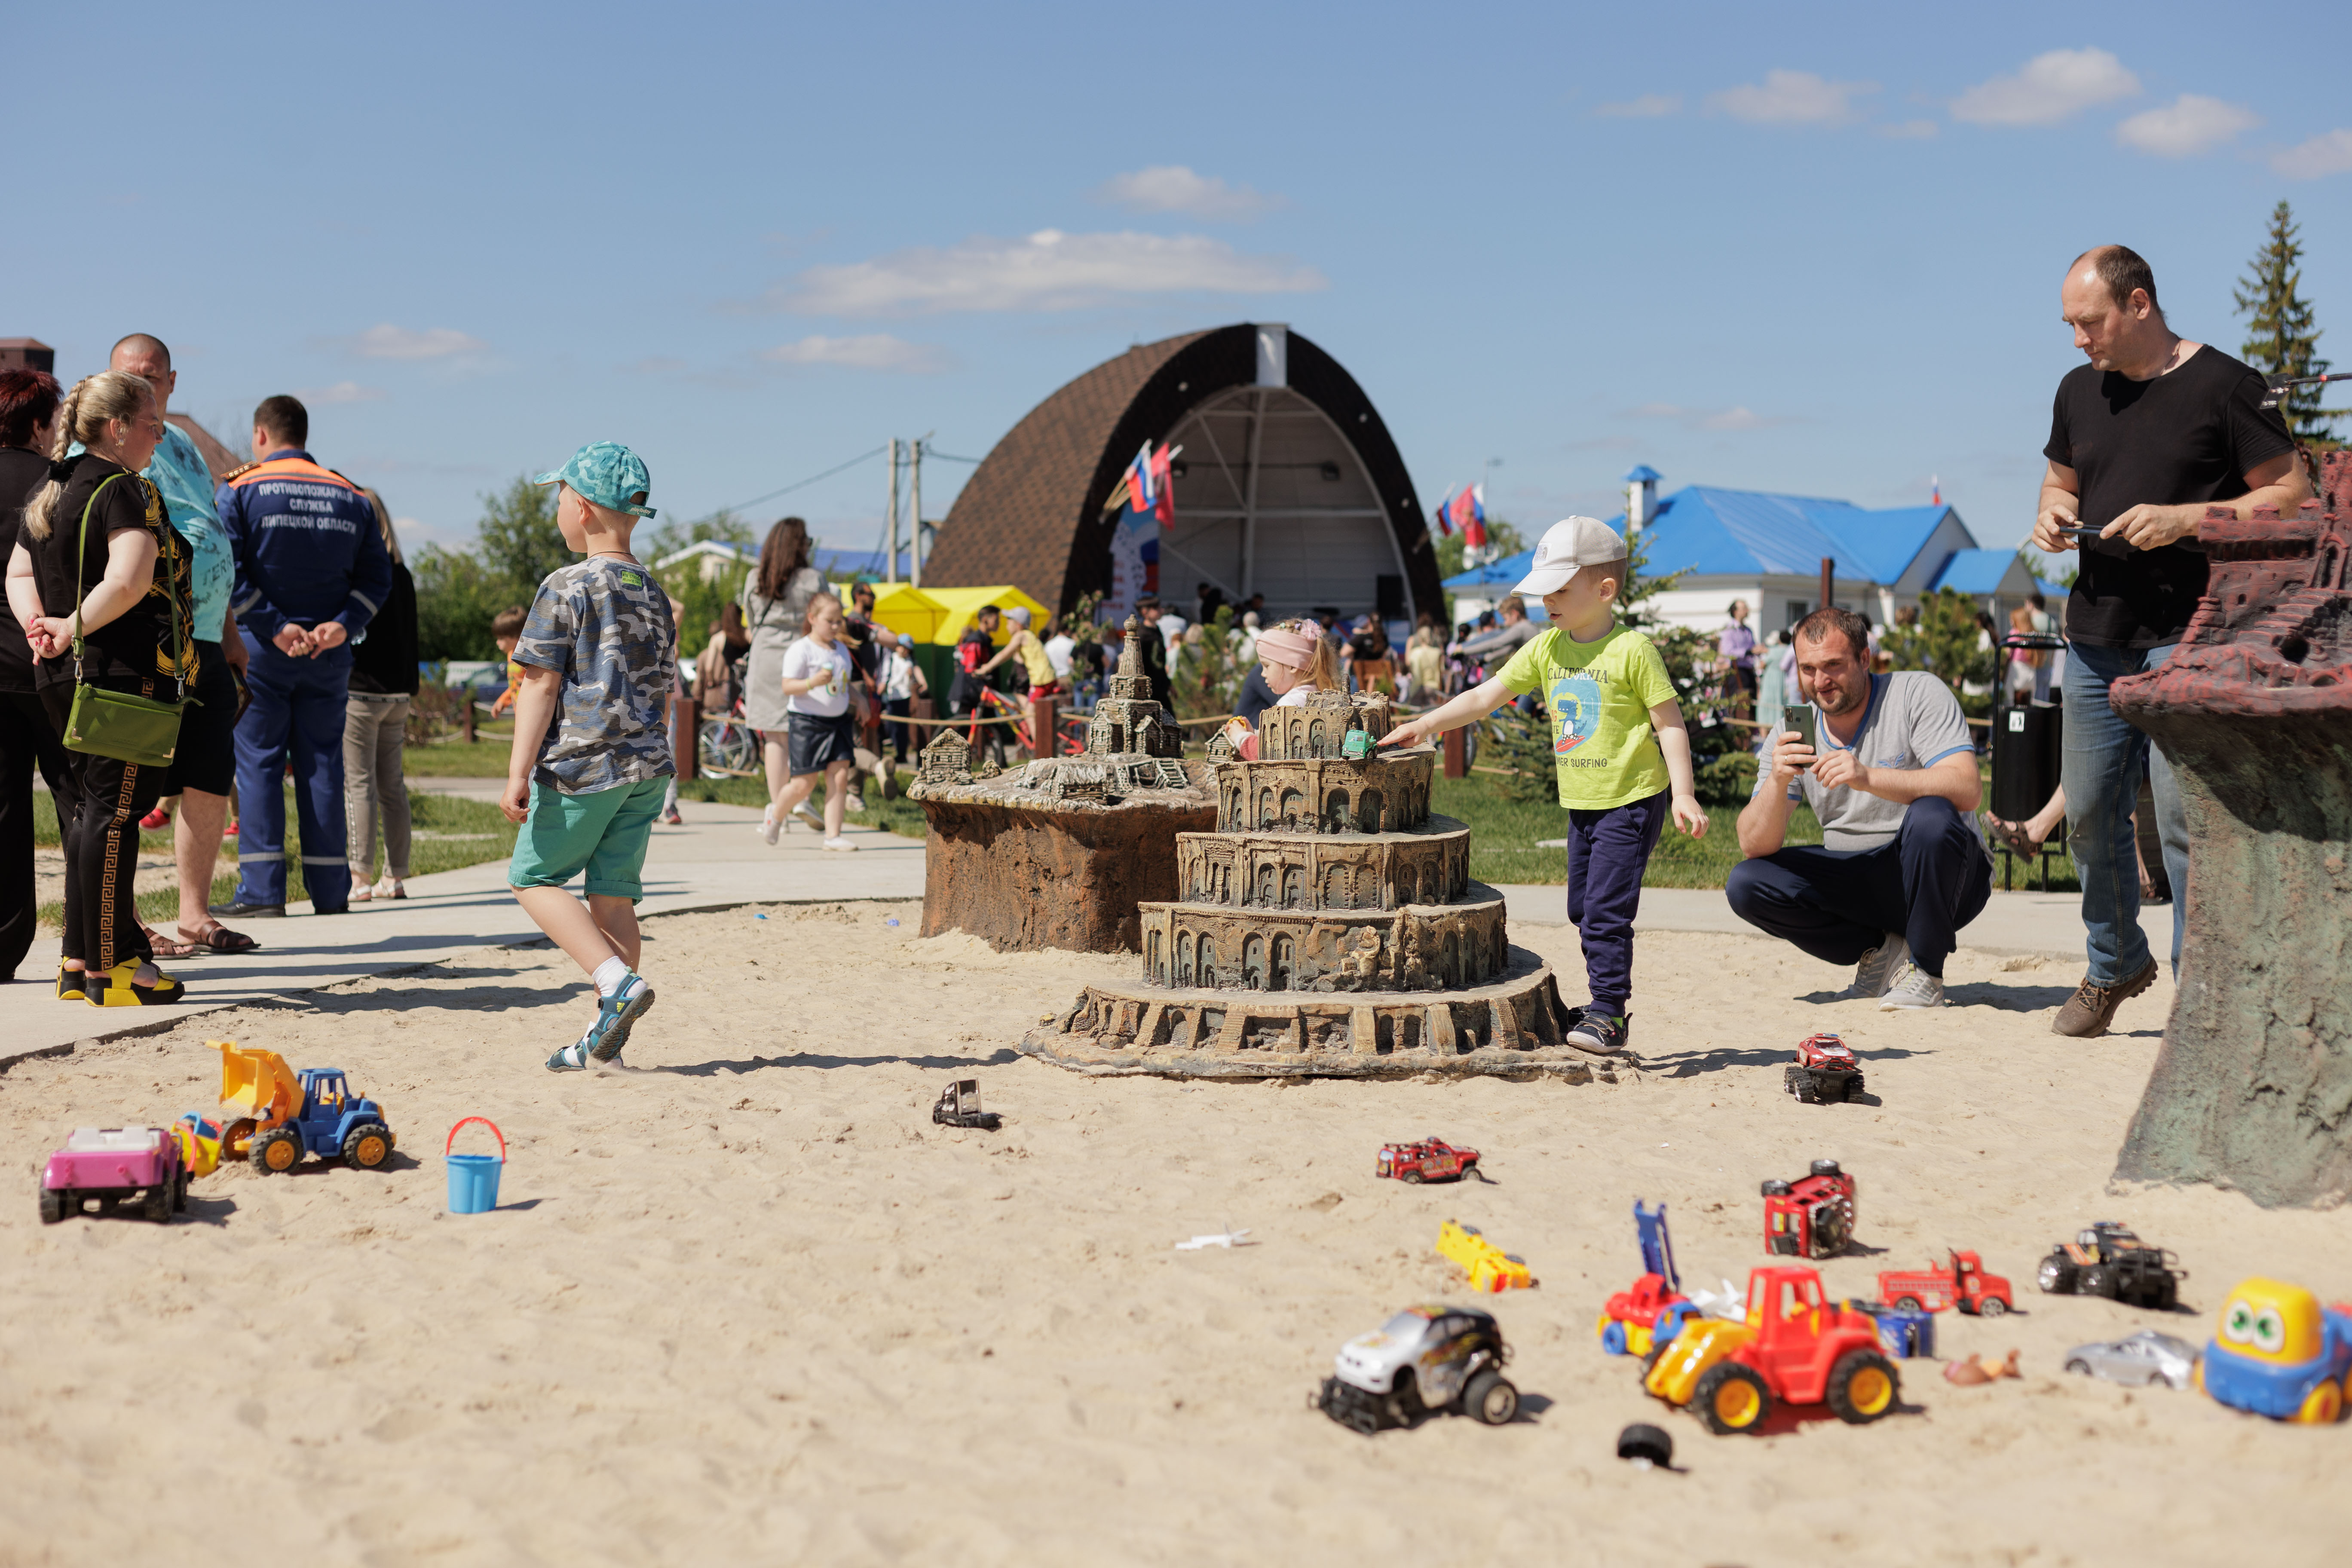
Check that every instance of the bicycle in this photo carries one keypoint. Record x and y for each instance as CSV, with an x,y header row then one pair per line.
x,y
728,748
1069,729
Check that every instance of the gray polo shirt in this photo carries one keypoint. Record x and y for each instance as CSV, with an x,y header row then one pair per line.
x,y
1913,721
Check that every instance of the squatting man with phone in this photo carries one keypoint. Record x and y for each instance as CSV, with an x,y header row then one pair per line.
x,y
1894,782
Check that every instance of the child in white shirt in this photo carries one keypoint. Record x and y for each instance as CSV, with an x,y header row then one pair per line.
x,y
821,736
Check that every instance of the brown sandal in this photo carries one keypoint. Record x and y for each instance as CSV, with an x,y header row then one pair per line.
x,y
2013,837
220,940
164,947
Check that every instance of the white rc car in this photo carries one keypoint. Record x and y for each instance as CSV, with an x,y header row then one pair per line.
x,y
1424,1359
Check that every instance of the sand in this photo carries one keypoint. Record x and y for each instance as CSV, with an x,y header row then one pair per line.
x,y
746,1304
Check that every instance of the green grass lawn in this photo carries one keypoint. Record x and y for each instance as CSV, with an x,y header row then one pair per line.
x,y
447,834
1503,834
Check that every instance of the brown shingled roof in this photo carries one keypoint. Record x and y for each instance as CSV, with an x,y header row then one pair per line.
x,y
1032,514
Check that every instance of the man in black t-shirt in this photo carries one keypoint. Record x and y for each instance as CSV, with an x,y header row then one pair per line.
x,y
2142,439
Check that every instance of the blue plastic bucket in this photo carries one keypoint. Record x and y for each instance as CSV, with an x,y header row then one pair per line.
x,y
474,1178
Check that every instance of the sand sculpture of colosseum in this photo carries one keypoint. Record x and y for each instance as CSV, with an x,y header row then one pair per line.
x,y
1329,926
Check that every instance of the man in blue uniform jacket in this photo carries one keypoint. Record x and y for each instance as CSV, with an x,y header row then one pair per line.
x,y
311,571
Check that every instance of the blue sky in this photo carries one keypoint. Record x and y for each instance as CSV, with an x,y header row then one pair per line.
x,y
1812,248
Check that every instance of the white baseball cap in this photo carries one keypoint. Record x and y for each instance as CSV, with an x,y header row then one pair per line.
x,y
1018,615
1567,545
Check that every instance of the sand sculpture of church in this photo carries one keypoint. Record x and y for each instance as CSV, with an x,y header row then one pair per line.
x,y
1327,926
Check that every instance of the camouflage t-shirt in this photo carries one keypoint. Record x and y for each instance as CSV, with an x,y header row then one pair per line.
x,y
605,626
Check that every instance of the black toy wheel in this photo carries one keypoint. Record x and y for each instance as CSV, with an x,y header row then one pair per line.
x,y
2099,1279
180,1193
1490,1398
368,1146
276,1152
1862,1388
2167,1294
1731,1398
2056,1277
1909,1304
1410,1176
1991,1307
158,1205
53,1205
2079,1366
1407,1394
1642,1441
1854,1088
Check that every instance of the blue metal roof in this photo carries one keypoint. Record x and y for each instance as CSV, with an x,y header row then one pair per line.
x,y
1643,474
1495,573
2052,590
1719,533
1974,570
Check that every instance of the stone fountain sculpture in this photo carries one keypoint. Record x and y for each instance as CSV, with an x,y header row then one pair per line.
x,y
1327,927
2253,1086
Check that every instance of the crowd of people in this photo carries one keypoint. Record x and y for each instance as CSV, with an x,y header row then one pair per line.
x,y
236,626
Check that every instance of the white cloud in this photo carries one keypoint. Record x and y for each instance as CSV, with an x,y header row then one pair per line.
x,y
415,534
1740,417
1173,188
1649,106
2189,124
388,341
1049,270
1911,131
2328,155
876,350
342,391
1792,98
2047,88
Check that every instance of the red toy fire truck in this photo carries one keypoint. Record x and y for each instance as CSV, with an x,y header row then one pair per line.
x,y
1431,1160
1810,1217
1961,1282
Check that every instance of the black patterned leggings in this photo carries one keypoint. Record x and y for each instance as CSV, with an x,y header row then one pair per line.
x,y
101,844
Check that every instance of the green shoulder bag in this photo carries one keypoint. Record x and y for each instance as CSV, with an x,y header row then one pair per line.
x,y
116,724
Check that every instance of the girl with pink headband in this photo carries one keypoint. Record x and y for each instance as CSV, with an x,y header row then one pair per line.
x,y
1297,658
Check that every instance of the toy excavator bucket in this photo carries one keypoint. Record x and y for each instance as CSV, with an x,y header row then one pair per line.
x,y
258,1082
1657,1247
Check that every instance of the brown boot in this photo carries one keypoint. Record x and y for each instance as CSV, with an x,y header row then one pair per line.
x,y
2092,1008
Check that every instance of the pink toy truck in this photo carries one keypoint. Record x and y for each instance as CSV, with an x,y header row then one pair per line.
x,y
115,1165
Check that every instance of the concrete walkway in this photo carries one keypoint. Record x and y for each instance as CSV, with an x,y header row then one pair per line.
x,y
716,859
2049,923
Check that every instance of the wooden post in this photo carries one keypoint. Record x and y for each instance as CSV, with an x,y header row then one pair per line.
x,y
466,701
923,708
1041,727
1829,572
683,735
1456,753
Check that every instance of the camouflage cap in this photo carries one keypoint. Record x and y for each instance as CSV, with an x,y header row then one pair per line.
x,y
607,473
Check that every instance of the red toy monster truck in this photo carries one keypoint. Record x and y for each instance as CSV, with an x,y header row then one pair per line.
x,y
1961,1282
1813,1216
1431,1160
1825,1072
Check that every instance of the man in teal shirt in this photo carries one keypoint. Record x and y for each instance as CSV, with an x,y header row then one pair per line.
x,y
206,769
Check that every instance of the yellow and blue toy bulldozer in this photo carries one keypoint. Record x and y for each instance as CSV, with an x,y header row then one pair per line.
x,y
296,1114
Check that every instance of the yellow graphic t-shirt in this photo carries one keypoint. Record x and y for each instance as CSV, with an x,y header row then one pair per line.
x,y
1600,694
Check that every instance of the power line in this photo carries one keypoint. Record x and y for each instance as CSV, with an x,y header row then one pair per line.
x,y
796,485
950,457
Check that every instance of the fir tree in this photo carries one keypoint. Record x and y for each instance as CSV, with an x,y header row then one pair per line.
x,y
2280,336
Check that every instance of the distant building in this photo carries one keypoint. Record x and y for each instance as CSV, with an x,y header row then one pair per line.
x,y
1768,549
29,353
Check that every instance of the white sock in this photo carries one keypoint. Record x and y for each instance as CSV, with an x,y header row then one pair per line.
x,y
609,975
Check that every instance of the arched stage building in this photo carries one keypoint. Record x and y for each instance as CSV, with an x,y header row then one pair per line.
x,y
1288,484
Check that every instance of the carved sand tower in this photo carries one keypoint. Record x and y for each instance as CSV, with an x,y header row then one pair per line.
x,y
1328,927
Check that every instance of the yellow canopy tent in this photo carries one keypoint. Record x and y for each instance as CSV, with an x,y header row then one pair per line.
x,y
962,603
911,610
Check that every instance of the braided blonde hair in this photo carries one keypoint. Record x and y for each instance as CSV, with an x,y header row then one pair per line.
x,y
95,402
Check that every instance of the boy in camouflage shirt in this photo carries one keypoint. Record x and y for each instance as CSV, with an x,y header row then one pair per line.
x,y
591,756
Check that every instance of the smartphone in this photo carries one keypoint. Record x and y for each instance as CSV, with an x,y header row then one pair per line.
x,y
1802,719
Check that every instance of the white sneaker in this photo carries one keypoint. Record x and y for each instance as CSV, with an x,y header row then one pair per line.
x,y
844,845
852,803
809,817
768,827
1880,964
1915,987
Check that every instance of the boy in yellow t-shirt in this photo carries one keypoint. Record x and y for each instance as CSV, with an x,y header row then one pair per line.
x,y
1624,757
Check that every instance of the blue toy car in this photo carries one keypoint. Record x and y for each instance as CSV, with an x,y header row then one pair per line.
x,y
2278,1353
330,1122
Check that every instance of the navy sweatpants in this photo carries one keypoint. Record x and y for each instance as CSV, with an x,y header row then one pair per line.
x,y
297,711
1838,904
1607,853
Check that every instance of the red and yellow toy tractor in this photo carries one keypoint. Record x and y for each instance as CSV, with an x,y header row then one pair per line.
x,y
1794,1346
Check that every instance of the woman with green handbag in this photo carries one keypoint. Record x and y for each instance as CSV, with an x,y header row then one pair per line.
x,y
114,669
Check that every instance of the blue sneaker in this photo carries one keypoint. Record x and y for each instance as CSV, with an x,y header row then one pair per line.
x,y
615,1015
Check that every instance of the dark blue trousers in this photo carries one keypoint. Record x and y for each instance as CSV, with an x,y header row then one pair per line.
x,y
296,712
1838,904
1607,853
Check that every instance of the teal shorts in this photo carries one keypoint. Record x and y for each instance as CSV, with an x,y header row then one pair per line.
x,y
604,834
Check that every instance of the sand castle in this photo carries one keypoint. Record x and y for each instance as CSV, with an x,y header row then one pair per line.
x,y
1327,926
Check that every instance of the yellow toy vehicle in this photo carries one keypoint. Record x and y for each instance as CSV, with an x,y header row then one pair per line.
x,y
1795,1345
311,1111
1492,1270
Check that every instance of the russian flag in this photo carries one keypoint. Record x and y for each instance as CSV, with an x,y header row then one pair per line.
x,y
1468,507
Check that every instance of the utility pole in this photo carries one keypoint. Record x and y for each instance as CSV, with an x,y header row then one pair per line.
x,y
891,574
916,462
1828,570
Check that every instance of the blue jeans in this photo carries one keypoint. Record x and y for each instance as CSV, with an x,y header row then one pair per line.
x,y
2105,755
1933,878
1608,850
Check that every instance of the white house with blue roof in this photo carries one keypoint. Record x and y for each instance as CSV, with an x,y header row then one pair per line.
x,y
1768,549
